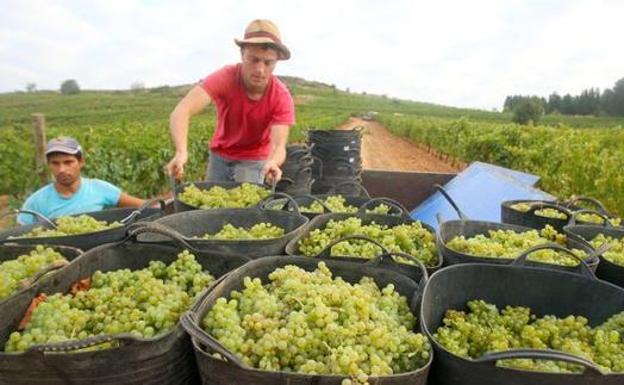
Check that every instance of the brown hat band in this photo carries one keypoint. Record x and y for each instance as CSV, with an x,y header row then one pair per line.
x,y
250,35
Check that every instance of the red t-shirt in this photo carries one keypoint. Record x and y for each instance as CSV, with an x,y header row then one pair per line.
x,y
243,125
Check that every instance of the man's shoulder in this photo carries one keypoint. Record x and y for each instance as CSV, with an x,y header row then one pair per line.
x,y
97,183
42,192
280,86
228,71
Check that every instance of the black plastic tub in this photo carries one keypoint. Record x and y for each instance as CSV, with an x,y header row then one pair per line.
x,y
530,219
192,225
87,241
607,270
215,371
12,251
359,202
387,220
545,291
166,359
470,228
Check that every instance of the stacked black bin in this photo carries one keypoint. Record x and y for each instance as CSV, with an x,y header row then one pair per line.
x,y
296,170
337,160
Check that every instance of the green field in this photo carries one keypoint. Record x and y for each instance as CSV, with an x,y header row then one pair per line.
x,y
126,138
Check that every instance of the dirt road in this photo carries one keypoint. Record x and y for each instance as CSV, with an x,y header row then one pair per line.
x,y
381,150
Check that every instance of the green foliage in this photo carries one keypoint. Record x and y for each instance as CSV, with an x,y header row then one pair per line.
x,y
569,161
528,111
70,87
126,137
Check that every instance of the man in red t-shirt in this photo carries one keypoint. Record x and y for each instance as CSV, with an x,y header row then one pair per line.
x,y
254,112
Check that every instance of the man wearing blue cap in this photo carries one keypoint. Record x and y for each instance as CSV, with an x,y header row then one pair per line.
x,y
70,193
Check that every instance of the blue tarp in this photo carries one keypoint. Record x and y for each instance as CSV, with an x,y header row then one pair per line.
x,y
479,191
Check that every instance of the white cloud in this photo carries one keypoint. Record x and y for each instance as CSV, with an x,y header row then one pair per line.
x,y
449,52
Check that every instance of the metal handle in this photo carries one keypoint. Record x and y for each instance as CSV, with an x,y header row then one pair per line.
x,y
607,222
540,354
391,255
446,195
294,153
290,202
124,339
36,214
326,252
135,214
173,183
364,191
584,269
136,229
192,328
572,201
37,276
388,201
545,205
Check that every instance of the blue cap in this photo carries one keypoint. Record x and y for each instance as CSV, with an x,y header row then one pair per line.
x,y
64,145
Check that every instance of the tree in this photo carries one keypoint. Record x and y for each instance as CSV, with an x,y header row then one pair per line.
x,y
567,105
528,110
69,87
554,103
31,87
137,86
618,98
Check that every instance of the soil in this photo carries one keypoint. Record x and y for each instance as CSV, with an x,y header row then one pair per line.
x,y
381,150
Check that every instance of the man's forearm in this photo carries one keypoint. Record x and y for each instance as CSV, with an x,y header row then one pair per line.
x,y
278,155
279,138
178,127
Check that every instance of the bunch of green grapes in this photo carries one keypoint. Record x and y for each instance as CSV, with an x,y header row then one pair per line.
x,y
245,195
145,303
310,322
15,271
257,231
508,244
597,219
411,238
383,209
67,225
616,253
335,204
545,212
338,204
484,329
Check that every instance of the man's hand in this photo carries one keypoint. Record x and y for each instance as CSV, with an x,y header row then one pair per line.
x,y
175,167
271,172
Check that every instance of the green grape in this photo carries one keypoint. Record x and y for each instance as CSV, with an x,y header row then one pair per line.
x,y
257,231
484,329
338,204
146,303
508,244
593,218
67,225
13,272
616,253
245,195
383,209
546,212
411,238
311,322
335,204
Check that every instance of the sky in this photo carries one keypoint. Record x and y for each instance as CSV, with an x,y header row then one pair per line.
x,y
458,53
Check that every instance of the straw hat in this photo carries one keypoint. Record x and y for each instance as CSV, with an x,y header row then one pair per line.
x,y
262,31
